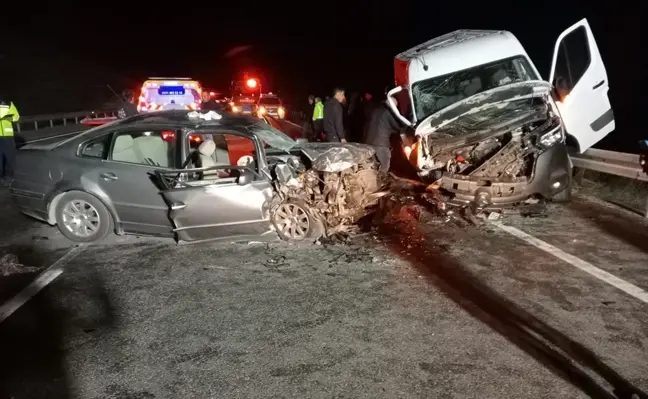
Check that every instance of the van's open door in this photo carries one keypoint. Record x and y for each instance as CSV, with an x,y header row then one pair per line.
x,y
580,79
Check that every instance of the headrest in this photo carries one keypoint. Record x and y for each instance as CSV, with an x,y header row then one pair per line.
x,y
123,143
207,148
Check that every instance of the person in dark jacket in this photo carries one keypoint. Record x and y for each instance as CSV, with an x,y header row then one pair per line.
x,y
209,104
128,108
382,125
334,117
307,116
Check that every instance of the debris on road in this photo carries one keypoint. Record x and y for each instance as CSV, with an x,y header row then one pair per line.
x,y
9,264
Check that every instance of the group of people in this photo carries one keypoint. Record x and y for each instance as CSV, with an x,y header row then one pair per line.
x,y
335,120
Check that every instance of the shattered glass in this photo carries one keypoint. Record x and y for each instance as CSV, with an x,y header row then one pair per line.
x,y
434,94
273,137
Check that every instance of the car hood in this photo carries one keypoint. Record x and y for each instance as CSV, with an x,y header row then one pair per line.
x,y
336,157
485,109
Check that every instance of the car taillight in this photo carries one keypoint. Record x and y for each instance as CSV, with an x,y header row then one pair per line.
x,y
168,136
196,138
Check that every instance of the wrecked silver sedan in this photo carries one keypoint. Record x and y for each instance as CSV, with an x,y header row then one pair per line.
x,y
196,176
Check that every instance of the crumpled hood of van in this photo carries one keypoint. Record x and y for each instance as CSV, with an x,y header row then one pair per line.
x,y
485,109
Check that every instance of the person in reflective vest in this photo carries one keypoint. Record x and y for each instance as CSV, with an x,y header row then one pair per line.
x,y
318,119
8,115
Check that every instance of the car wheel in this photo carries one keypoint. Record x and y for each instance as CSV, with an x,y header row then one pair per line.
x,y
565,195
81,217
293,221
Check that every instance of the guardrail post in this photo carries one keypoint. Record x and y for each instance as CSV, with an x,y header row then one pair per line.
x,y
35,125
51,123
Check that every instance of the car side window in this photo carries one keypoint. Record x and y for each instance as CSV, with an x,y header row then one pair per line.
x,y
574,57
145,147
97,147
220,150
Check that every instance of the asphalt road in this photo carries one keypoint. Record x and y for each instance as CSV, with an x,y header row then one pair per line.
x,y
417,308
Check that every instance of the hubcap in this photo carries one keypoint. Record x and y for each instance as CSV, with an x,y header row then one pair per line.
x,y
81,218
292,221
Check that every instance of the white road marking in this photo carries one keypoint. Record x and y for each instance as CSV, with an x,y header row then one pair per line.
x,y
45,278
53,137
587,267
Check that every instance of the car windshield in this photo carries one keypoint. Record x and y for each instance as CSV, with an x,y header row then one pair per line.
x,y
434,94
269,101
273,137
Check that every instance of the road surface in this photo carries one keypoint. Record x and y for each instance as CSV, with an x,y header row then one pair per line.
x,y
417,308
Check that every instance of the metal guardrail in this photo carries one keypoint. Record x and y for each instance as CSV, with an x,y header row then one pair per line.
x,y
41,122
613,163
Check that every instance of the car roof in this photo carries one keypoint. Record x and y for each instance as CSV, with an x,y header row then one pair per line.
x,y
182,118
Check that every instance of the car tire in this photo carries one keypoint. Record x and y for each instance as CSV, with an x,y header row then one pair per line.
x,y
81,217
565,195
294,213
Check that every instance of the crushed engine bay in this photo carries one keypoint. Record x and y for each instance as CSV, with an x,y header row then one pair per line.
x,y
488,154
338,183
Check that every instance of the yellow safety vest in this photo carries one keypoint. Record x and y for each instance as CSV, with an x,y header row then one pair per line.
x,y
8,115
318,112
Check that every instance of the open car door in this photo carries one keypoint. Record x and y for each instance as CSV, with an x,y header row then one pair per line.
x,y
580,79
217,202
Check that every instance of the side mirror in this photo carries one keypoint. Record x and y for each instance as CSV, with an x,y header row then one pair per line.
x,y
246,177
392,105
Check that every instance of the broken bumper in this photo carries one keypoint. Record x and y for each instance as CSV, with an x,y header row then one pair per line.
x,y
551,175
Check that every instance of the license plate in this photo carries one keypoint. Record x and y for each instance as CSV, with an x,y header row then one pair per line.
x,y
247,108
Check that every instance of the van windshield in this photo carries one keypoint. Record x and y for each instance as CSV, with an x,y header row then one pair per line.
x,y
434,94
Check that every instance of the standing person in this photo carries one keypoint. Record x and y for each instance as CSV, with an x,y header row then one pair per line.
x,y
318,119
208,103
8,115
128,108
307,113
334,117
382,125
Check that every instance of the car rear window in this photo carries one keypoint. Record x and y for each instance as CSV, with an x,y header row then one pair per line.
x,y
171,94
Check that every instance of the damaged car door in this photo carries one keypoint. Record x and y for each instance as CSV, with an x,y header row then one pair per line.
x,y
214,199
581,82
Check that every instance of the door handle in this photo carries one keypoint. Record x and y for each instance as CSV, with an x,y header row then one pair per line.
x,y
178,205
108,176
599,84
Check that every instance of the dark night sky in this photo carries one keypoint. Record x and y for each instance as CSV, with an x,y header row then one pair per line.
x,y
64,56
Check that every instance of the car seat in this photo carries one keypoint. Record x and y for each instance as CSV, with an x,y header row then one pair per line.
x,y
123,150
154,148
205,155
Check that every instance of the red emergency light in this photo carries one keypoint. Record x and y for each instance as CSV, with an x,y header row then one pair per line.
x,y
252,83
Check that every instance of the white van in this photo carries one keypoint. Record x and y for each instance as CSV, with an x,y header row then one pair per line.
x,y
488,127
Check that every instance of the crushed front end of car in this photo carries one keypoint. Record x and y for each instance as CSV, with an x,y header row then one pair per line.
x,y
325,190
497,148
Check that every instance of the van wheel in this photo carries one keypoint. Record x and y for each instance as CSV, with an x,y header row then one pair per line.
x,y
81,217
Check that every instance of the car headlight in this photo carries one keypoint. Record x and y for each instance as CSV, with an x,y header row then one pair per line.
x,y
235,108
281,111
552,137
